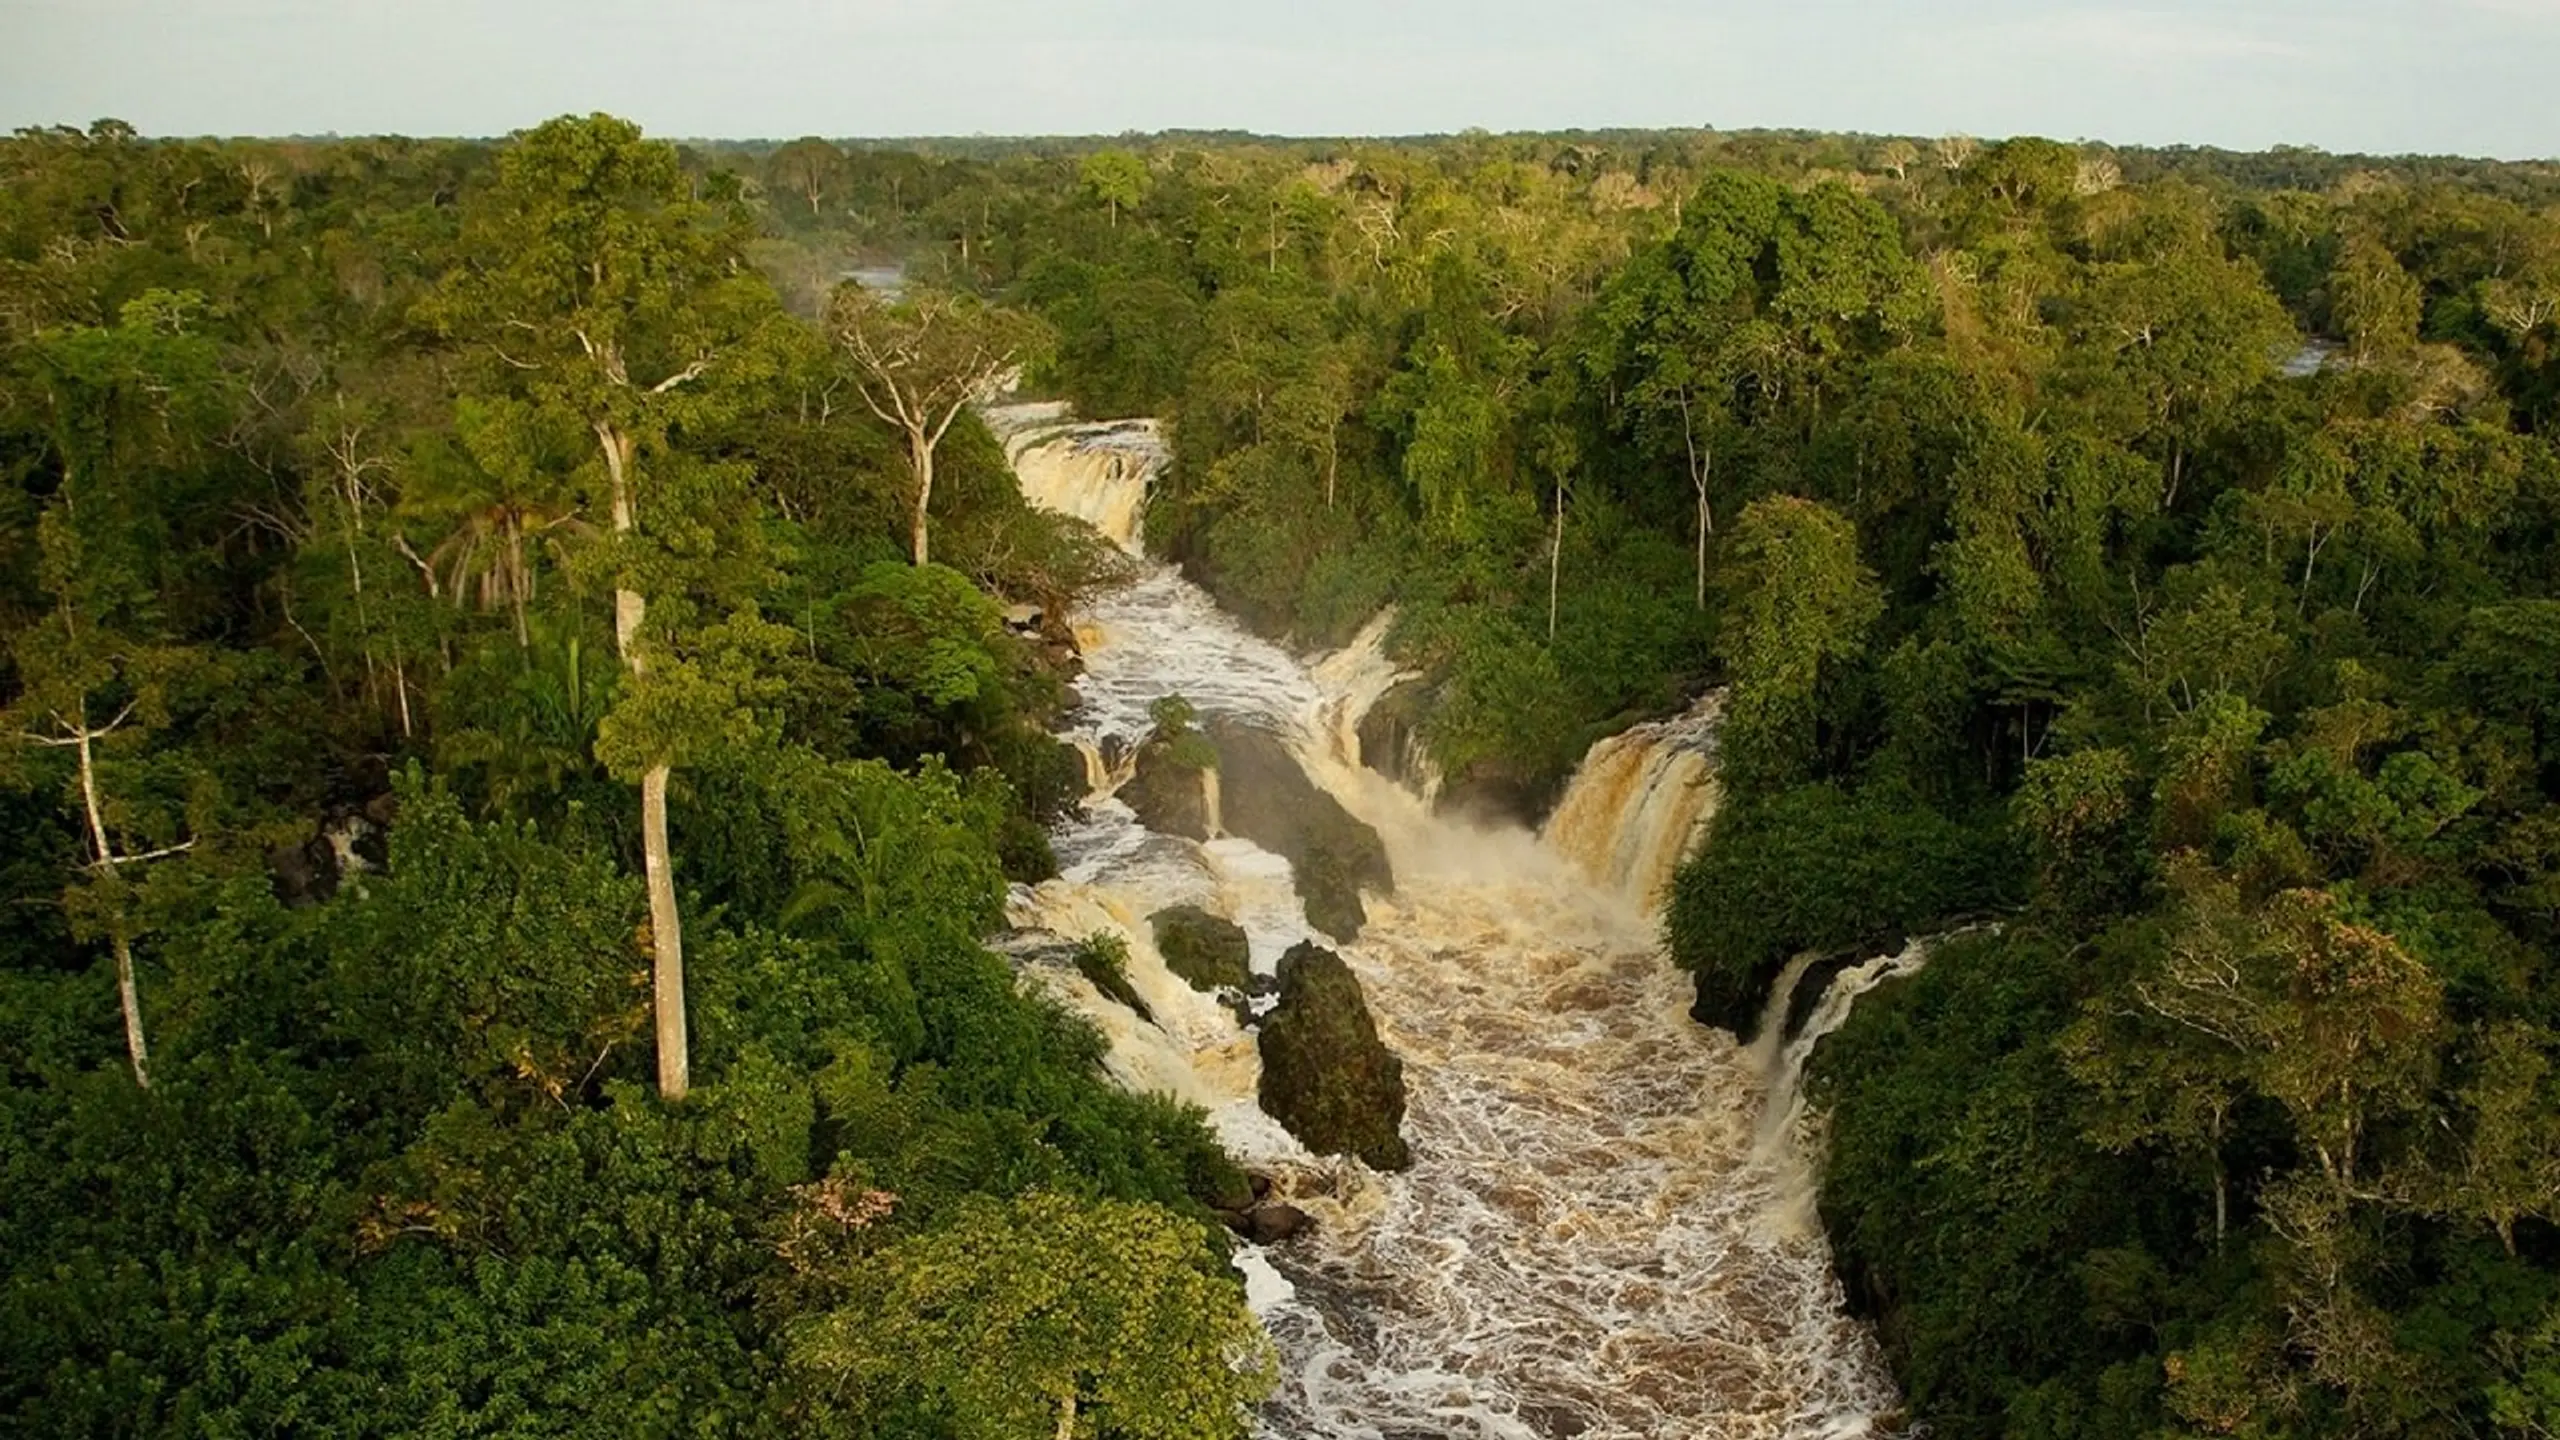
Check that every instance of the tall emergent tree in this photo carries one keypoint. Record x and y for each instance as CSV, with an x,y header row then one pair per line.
x,y
125,407
808,167
918,362
1117,178
619,303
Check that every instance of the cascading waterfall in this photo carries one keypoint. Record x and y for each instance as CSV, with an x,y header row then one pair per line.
x,y
1786,1082
1353,679
1783,1054
1583,1244
1640,801
1097,473
1786,1126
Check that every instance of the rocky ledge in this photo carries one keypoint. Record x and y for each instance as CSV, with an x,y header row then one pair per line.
x,y
1326,1075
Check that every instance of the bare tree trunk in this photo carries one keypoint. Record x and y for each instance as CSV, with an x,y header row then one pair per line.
x,y
920,454
400,681
516,583
2221,1203
1702,547
1555,564
128,995
666,938
666,925
1701,466
131,996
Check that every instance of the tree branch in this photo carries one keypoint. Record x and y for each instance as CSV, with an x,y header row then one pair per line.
x,y
684,376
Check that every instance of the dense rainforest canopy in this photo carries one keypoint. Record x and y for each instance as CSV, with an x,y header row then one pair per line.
x,y
473,669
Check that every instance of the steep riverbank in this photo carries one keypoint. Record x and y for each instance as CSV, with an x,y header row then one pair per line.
x,y
1592,1239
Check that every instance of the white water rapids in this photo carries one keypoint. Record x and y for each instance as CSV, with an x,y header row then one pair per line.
x,y
1591,1241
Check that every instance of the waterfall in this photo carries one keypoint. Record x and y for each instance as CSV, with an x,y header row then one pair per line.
x,y
1581,1246
1789,1053
1355,678
1640,801
1096,473
1785,1126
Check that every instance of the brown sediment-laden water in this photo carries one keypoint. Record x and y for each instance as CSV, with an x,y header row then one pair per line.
x,y
1605,1231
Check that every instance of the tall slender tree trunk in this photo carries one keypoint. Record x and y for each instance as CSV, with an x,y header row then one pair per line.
x,y
128,994
400,683
1555,564
135,1047
1702,547
920,455
1702,464
517,582
666,938
666,924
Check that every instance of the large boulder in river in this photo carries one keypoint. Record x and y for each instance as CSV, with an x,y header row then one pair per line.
x,y
1208,951
1269,800
1391,732
1170,795
1326,1075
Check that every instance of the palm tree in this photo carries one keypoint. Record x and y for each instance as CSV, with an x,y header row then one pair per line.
x,y
501,499
487,558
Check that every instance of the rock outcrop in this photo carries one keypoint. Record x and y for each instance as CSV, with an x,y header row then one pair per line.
x,y
1208,951
1171,798
1390,733
1326,1075
1270,801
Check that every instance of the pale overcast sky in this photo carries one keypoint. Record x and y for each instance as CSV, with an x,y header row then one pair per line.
x,y
2467,76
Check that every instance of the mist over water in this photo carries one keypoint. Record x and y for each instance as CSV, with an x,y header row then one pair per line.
x,y
1593,1239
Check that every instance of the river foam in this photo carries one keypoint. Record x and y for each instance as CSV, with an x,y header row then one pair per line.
x,y
1592,1241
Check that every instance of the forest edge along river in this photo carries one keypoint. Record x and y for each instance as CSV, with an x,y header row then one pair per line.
x,y
1605,1229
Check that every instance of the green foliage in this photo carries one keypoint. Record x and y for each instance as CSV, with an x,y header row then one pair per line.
x,y
1103,960
323,466
1048,1315
1816,868
1803,604
2038,585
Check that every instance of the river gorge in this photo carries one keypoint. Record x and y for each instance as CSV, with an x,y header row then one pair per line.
x,y
1606,1228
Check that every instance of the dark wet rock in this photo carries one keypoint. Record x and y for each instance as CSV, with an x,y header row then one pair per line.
x,y
1392,731
1099,962
1106,968
301,876
347,843
1491,794
1260,1184
1269,800
1272,1222
1208,951
1170,797
1326,1075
